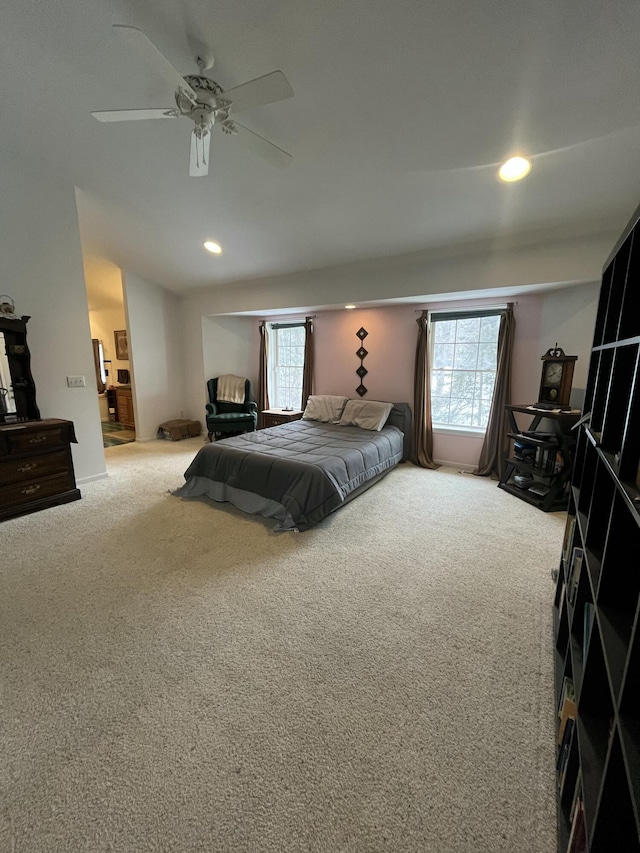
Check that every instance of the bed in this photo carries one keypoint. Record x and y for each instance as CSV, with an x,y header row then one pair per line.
x,y
299,472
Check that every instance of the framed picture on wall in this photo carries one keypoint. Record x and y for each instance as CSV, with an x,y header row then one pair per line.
x,y
122,346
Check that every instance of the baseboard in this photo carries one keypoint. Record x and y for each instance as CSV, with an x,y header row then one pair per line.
x,y
82,480
462,467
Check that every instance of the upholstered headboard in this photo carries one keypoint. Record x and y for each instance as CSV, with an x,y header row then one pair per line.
x,y
400,416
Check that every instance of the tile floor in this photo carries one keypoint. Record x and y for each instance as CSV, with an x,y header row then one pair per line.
x,y
114,433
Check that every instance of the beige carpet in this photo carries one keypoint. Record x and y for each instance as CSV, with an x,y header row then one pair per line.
x,y
175,677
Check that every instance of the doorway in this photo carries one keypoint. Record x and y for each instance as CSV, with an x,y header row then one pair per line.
x,y
111,351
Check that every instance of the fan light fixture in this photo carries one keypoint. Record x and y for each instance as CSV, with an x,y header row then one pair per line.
x,y
349,306
212,247
514,169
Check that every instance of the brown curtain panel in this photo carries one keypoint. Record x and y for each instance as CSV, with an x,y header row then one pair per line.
x,y
495,447
263,390
307,373
96,362
422,454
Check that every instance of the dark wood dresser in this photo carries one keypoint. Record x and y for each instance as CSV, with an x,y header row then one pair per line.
x,y
36,468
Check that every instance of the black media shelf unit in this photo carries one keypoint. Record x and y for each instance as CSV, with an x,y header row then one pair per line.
x,y
597,598
547,459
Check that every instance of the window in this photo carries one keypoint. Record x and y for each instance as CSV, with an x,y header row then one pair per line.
x,y
286,364
464,359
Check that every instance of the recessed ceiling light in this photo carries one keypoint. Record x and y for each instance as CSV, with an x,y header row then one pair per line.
x,y
212,247
514,169
349,306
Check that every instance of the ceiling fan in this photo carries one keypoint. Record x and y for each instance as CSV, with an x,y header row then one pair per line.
x,y
202,100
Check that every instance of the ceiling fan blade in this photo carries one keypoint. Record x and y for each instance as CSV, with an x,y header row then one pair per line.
x,y
135,115
139,41
263,90
199,156
262,147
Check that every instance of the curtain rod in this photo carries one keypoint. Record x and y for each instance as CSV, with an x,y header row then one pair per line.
x,y
463,310
293,321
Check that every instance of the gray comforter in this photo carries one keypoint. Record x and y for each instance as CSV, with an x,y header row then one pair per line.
x,y
298,472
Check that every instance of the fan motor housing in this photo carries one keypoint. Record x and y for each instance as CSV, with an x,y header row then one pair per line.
x,y
207,90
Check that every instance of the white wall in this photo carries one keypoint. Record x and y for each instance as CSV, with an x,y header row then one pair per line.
x,y
155,354
211,346
41,267
430,275
228,347
568,318
193,373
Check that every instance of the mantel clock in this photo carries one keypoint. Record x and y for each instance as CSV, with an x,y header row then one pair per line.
x,y
557,375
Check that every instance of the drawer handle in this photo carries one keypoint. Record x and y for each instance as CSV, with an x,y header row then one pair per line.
x,y
28,467
37,439
29,490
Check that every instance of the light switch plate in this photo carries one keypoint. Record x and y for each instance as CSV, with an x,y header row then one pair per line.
x,y
75,381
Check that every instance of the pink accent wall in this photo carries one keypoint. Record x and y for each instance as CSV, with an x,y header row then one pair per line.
x,y
391,345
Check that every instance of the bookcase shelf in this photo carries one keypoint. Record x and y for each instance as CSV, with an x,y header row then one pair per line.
x,y
545,457
597,598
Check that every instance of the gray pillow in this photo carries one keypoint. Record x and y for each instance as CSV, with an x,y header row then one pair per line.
x,y
366,414
326,408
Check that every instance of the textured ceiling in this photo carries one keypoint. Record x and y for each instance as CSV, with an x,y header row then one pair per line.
x,y
400,113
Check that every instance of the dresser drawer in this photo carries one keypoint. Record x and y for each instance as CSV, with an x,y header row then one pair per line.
x,y
34,467
24,493
274,418
36,440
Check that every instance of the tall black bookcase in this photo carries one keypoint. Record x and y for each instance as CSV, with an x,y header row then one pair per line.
x,y
596,604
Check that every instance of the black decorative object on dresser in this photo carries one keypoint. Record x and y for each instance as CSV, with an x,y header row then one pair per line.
x,y
17,388
36,468
557,375
597,599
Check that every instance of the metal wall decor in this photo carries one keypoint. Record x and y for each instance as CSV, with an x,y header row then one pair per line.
x,y
362,354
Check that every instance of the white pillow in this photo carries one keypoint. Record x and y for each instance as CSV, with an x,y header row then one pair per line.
x,y
366,414
325,408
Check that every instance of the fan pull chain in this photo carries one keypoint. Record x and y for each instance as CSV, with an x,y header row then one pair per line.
x,y
200,134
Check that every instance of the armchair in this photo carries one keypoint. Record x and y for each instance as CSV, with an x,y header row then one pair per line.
x,y
225,418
